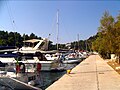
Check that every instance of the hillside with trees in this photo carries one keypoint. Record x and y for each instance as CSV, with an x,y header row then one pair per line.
x,y
14,38
84,44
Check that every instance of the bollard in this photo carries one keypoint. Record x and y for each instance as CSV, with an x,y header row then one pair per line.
x,y
68,71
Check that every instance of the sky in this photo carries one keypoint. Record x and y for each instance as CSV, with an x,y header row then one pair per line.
x,y
40,17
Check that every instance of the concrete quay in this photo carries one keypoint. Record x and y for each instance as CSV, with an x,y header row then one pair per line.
x,y
91,74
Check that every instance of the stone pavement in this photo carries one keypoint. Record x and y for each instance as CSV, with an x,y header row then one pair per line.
x,y
91,74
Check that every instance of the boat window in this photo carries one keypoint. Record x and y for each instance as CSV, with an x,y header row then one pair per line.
x,y
10,69
41,45
2,64
41,57
28,57
31,78
28,44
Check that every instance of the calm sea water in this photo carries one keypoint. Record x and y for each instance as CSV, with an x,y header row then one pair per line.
x,y
48,78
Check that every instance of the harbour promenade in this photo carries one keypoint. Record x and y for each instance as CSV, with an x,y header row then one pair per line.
x,y
91,74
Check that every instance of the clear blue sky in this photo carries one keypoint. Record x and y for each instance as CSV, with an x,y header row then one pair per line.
x,y
39,17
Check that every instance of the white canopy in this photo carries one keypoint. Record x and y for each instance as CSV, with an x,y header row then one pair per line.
x,y
33,40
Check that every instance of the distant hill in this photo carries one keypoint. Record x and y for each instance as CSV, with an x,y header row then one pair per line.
x,y
15,39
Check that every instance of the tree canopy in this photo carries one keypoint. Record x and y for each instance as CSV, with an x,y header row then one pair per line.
x,y
14,38
108,40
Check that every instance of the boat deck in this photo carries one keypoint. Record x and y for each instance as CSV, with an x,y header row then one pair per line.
x,y
14,84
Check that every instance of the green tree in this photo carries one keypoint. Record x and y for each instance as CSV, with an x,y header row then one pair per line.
x,y
3,38
33,36
116,35
105,39
18,39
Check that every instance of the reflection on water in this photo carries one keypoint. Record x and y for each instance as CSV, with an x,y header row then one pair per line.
x,y
47,78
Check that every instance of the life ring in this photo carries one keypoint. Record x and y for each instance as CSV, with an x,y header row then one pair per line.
x,y
20,68
38,67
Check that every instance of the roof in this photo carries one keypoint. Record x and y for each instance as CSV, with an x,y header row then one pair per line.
x,y
32,40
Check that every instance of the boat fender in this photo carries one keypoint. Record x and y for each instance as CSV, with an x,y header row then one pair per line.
x,y
20,68
38,67
31,83
17,68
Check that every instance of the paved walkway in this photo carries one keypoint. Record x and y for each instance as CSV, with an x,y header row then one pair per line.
x,y
91,74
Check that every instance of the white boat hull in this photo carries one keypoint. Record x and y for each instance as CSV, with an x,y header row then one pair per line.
x,y
14,84
48,65
71,61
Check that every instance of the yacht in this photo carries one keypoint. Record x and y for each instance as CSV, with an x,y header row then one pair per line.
x,y
19,73
71,58
40,47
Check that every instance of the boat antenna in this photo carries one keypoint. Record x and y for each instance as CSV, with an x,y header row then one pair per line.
x,y
86,44
24,39
78,41
57,28
49,36
48,41
11,20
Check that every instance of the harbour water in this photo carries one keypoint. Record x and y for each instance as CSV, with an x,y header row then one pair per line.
x,y
47,78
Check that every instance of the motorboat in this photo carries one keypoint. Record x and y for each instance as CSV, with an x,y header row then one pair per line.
x,y
22,73
71,61
8,83
71,58
31,58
